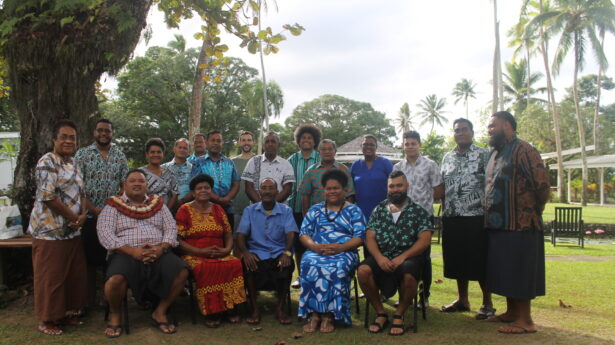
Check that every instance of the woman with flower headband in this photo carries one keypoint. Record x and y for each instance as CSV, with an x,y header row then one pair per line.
x,y
331,232
160,180
206,240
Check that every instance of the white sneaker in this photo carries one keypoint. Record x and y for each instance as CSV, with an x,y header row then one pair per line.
x,y
295,284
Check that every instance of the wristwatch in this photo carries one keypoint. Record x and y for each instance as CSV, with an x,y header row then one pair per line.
x,y
288,253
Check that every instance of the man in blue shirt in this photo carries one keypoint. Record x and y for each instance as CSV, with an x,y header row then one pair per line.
x,y
265,239
222,170
181,168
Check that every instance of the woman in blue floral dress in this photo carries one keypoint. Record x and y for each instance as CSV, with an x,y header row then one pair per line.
x,y
331,232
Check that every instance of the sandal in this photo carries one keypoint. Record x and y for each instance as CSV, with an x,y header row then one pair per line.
x,y
454,307
116,331
380,326
485,312
394,326
49,329
212,322
168,325
327,321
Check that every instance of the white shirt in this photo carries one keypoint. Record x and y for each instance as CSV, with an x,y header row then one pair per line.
x,y
259,168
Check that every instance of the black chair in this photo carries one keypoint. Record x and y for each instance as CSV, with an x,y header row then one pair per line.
x,y
568,222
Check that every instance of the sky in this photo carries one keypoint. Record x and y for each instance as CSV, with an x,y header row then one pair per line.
x,y
383,52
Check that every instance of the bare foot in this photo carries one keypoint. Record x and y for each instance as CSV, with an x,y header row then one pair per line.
x,y
514,328
327,326
312,324
254,319
49,328
283,318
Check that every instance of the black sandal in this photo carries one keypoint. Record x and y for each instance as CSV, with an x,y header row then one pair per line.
x,y
380,327
394,326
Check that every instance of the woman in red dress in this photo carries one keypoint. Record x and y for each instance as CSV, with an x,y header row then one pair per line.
x,y
206,241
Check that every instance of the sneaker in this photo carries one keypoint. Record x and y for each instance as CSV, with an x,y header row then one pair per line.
x,y
426,302
295,284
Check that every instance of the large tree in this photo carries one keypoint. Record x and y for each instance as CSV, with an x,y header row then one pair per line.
x,y
432,111
518,85
342,119
253,97
403,120
464,90
576,22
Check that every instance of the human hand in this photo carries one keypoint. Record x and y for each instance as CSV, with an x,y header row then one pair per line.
x,y
251,261
385,264
284,261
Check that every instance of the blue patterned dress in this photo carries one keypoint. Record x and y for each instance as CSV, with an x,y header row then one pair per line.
x,y
325,279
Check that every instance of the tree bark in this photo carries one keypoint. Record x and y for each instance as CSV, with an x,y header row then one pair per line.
x,y
265,124
551,96
194,117
580,125
53,72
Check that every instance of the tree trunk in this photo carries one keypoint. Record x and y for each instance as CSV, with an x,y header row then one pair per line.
x,y
196,99
265,126
551,96
580,125
528,82
597,118
498,91
53,74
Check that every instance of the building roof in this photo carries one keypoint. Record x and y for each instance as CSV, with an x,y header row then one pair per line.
x,y
9,135
604,161
352,151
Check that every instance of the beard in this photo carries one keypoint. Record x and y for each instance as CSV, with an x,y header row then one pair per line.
x,y
497,140
397,198
102,143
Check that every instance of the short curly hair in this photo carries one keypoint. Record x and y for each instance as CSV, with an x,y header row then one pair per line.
x,y
310,129
154,142
200,178
335,174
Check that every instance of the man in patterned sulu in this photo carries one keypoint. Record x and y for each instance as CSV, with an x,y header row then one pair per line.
x,y
398,234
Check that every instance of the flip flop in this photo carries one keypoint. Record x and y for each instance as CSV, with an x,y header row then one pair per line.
x,y
454,308
308,327
114,329
159,325
50,329
515,329
394,326
485,312
496,318
331,323
250,320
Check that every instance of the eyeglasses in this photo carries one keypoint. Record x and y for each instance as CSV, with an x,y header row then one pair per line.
x,y
64,137
103,130
368,145
462,130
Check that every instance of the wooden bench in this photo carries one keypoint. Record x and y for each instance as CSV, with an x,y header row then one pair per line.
x,y
18,242
568,223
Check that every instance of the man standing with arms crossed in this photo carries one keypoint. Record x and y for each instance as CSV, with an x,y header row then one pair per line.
x,y
241,201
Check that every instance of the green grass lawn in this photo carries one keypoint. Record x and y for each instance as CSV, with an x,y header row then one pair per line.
x,y
591,214
586,285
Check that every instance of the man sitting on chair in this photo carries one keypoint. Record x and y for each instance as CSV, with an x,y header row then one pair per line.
x,y
398,233
265,238
138,230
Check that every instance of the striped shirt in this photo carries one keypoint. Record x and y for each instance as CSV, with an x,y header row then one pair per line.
x,y
116,230
300,166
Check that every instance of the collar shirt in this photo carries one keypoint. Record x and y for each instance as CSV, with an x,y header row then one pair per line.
x,y
182,176
102,176
164,185
422,176
396,236
116,230
310,185
55,179
300,166
514,177
266,233
259,168
464,181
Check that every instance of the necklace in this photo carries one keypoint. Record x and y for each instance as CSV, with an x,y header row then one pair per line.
x,y
336,215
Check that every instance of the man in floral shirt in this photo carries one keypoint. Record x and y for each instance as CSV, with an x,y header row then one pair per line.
x,y
398,233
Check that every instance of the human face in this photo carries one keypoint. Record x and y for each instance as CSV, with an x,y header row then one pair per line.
x,y
202,192
397,190
214,143
103,133
155,155
412,147
306,142
181,150
495,129
327,152
246,142
271,145
199,145
65,142
135,185
369,147
334,192
463,134
268,191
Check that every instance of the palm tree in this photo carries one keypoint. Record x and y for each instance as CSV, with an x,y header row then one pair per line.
x,y
523,44
533,9
464,90
403,121
178,44
252,94
518,86
432,111
576,21
497,102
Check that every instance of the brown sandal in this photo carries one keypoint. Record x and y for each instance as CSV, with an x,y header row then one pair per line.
x,y
312,325
327,321
49,329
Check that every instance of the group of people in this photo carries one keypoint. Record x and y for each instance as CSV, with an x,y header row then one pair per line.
x,y
233,226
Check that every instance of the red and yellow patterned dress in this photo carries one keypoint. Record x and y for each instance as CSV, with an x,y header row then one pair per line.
x,y
219,282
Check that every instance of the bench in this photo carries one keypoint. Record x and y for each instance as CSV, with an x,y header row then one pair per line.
x,y
18,242
568,223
